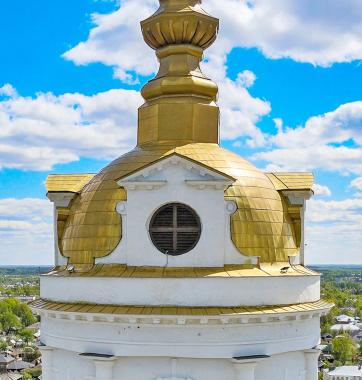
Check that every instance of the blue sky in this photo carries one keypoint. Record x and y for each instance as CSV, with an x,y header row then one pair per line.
x,y
290,94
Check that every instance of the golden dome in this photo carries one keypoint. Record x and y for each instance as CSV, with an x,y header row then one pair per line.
x,y
261,225
180,117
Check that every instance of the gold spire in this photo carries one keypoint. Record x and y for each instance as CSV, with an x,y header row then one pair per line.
x,y
180,102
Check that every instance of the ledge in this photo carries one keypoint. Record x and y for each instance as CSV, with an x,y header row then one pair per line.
x,y
178,315
228,271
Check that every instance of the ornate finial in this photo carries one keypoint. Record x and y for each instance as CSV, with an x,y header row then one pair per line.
x,y
180,102
180,22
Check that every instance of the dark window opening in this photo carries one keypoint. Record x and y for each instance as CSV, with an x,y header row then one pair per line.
x,y
175,229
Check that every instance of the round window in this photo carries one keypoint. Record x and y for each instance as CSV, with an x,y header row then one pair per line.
x,y
175,229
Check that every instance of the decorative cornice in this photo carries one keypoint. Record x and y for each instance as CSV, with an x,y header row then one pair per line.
x,y
297,197
210,184
142,185
166,317
61,199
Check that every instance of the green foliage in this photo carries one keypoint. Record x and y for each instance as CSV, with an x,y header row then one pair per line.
x,y
3,345
359,350
30,354
343,348
343,287
31,373
26,335
27,375
15,314
9,320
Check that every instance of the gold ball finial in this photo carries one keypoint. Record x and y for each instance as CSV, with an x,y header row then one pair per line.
x,y
180,22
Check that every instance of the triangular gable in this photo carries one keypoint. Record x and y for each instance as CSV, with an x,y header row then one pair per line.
x,y
189,163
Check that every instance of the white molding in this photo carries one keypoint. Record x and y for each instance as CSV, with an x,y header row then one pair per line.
x,y
211,184
173,160
297,197
61,199
142,185
231,207
181,321
121,208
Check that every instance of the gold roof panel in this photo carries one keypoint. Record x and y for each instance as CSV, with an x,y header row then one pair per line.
x,y
73,183
124,271
41,304
261,226
292,181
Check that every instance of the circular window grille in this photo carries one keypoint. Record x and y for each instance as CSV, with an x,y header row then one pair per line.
x,y
175,229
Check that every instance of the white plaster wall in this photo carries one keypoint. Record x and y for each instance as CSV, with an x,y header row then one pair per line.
x,y
289,366
211,291
69,366
215,247
192,341
59,259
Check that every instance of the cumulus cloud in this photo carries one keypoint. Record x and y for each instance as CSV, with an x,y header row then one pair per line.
x,y
320,143
26,231
321,190
39,132
357,183
334,231
280,29
240,112
116,40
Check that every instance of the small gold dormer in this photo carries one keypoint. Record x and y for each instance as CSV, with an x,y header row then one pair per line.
x,y
61,190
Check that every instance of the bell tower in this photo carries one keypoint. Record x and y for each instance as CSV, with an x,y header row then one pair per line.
x,y
179,260
180,101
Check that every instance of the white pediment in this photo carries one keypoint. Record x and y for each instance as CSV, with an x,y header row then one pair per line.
x,y
194,174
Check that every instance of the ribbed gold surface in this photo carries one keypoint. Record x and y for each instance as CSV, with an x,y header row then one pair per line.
x,y
67,182
260,227
181,109
292,181
180,22
172,310
124,271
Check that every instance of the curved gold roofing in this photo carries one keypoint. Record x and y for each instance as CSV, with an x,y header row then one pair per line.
x,y
180,117
260,227
46,305
228,271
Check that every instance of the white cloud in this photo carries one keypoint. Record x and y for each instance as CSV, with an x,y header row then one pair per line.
x,y
40,132
338,126
347,210
26,231
320,143
321,190
240,112
281,28
116,40
333,231
357,183
8,90
321,33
